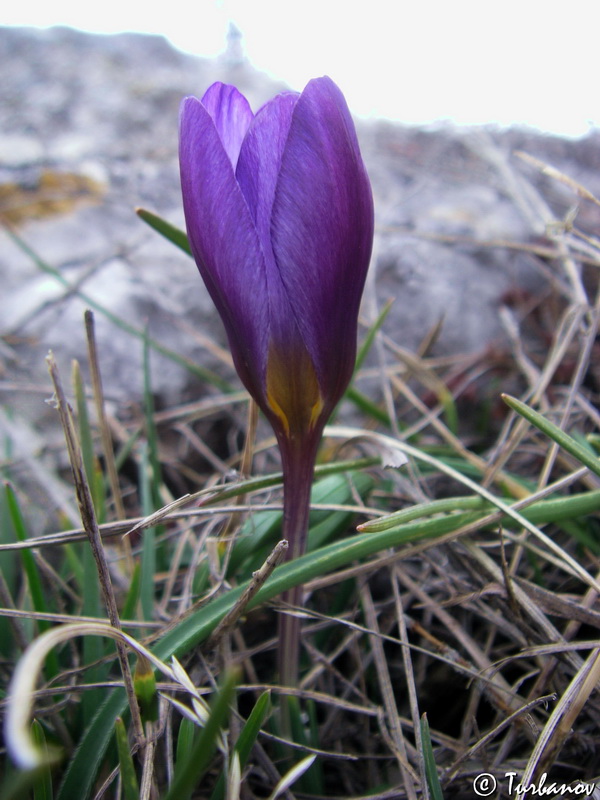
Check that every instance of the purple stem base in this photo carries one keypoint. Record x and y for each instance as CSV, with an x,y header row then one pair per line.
x,y
298,470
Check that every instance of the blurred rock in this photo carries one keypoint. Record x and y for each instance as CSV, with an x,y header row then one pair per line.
x,y
89,132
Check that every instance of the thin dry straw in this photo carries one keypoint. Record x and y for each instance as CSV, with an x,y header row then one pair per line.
x,y
90,523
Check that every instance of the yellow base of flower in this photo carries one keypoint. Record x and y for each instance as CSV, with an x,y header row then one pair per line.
x,y
293,392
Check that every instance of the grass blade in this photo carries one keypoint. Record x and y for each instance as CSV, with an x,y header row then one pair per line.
x,y
185,740
30,567
166,229
129,782
148,568
190,771
42,786
247,737
133,594
431,774
370,337
292,776
568,443
31,570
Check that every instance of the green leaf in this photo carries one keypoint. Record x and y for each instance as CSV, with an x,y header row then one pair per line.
x,y
148,569
133,593
248,734
144,684
431,775
189,773
151,431
166,229
336,490
42,785
129,781
258,534
30,567
185,740
366,406
83,767
311,782
81,770
557,510
292,776
568,443
370,338
247,737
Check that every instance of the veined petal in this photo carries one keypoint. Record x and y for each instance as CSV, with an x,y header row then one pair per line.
x,y
257,174
280,219
259,161
231,114
322,230
224,242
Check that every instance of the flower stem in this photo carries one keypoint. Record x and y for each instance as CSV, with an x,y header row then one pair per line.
x,y
298,461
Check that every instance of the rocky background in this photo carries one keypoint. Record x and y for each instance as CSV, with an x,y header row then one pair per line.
x,y
88,132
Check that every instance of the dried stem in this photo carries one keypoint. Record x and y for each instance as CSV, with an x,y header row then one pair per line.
x,y
90,523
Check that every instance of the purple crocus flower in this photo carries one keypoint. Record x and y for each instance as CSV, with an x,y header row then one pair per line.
x,y
279,216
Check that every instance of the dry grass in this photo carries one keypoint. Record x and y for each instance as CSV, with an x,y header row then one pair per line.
x,y
491,629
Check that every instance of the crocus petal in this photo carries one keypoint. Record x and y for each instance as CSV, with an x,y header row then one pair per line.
x,y
293,395
280,220
257,175
231,114
322,230
259,161
224,242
